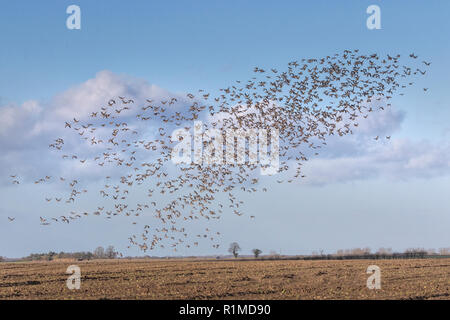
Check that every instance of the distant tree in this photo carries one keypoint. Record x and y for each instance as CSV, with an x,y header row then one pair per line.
x,y
99,253
274,255
2,259
82,255
110,253
234,249
51,255
256,253
384,251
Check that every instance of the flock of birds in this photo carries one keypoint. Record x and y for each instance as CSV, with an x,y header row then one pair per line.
x,y
308,102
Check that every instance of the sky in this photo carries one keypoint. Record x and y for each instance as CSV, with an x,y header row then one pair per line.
x,y
357,194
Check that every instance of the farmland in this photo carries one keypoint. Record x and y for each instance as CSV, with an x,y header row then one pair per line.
x,y
227,279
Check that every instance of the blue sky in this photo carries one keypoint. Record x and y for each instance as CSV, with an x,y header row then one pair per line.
x,y
183,46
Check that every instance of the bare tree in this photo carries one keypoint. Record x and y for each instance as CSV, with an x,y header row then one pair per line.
x,y
256,253
110,253
384,251
234,249
99,253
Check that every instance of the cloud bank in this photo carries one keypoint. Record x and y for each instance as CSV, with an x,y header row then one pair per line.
x,y
26,131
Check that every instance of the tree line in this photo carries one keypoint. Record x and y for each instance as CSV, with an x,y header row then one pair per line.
x,y
235,249
98,253
355,253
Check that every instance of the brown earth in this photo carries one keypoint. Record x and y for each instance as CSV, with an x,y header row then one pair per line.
x,y
218,279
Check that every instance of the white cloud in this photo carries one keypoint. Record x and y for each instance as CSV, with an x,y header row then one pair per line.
x,y
89,96
27,130
360,156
